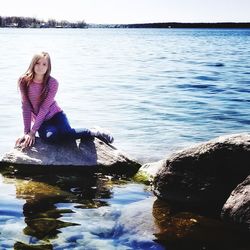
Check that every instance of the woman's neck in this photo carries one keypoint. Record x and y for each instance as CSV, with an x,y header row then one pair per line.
x,y
38,78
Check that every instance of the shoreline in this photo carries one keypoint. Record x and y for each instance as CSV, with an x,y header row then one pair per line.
x,y
33,23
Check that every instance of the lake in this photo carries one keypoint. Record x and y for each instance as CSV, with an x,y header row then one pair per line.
x,y
157,91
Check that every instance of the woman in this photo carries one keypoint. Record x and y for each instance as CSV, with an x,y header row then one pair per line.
x,y
41,112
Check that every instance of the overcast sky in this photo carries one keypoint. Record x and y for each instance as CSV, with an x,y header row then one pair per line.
x,y
130,11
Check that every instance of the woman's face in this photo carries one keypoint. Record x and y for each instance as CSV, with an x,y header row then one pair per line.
x,y
41,66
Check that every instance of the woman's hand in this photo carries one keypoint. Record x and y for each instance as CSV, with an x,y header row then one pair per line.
x,y
26,140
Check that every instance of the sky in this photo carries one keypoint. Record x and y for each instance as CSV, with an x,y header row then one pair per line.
x,y
130,11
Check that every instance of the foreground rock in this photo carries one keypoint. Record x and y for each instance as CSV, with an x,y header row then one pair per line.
x,y
92,155
204,176
237,207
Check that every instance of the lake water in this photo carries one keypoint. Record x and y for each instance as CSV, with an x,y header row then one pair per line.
x,y
157,90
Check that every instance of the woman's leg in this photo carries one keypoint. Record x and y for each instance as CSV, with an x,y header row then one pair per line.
x,y
48,133
68,133
58,129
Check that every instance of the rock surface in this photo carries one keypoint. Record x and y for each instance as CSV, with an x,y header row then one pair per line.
x,y
205,175
237,207
148,171
89,155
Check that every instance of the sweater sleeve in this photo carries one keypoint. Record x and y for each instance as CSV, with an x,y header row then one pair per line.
x,y
26,109
44,107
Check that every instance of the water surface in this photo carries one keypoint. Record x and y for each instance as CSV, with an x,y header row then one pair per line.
x,y
157,90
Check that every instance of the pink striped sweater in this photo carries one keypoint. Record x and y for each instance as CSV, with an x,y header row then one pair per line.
x,y
34,111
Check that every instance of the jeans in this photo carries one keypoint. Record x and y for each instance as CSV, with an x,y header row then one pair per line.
x,y
58,130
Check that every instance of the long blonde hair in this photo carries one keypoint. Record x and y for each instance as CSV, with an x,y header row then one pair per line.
x,y
26,79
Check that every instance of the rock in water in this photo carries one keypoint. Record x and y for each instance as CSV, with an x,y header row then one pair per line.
x,y
148,171
205,175
92,155
237,207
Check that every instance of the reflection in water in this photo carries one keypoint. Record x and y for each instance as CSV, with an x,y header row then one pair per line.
x,y
101,212
94,212
43,193
40,211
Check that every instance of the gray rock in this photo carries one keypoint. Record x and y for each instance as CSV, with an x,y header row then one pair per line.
x,y
88,155
205,175
237,207
148,171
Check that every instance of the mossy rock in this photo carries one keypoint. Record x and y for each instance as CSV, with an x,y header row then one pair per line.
x,y
22,246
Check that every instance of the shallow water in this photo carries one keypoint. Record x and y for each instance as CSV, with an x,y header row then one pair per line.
x,y
100,212
157,90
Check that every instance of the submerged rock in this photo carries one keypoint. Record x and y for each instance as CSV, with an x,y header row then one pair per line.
x,y
136,226
22,246
43,228
204,176
178,229
92,155
237,207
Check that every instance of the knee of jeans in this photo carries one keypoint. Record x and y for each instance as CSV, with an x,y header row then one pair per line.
x,y
49,135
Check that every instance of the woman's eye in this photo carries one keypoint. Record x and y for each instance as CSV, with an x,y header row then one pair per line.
x,y
44,64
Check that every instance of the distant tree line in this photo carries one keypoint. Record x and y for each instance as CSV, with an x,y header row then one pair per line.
x,y
223,25
29,22
175,25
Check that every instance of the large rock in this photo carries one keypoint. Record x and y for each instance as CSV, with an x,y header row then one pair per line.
x,y
237,207
92,155
205,175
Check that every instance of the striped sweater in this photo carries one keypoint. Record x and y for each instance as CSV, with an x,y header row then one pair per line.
x,y
35,112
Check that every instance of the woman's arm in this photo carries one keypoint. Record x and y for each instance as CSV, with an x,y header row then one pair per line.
x,y
28,138
44,108
26,109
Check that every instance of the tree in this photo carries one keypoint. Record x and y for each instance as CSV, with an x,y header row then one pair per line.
x,y
52,23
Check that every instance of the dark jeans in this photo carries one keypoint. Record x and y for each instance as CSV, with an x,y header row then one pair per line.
x,y
58,130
